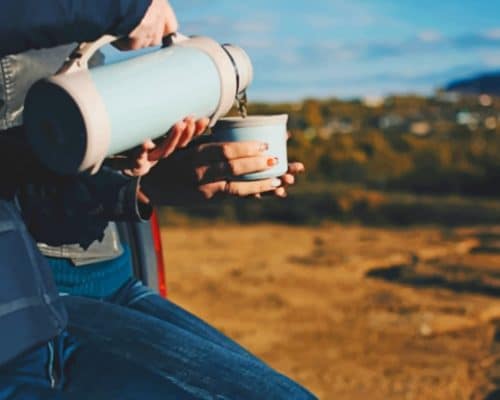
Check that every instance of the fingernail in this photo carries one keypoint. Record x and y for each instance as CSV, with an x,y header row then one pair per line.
x,y
276,183
264,147
272,161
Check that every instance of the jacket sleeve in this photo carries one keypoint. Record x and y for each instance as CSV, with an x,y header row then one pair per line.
x,y
77,209
80,206
33,24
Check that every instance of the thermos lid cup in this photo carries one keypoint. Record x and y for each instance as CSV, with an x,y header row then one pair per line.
x,y
270,129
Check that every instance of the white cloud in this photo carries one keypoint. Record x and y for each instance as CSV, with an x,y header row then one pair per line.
x,y
320,21
256,43
430,36
491,59
493,34
252,26
289,57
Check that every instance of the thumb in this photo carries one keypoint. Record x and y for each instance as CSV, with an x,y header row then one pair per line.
x,y
148,145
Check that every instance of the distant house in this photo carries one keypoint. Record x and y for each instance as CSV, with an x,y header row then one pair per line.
x,y
485,100
373,101
468,118
491,122
390,121
420,128
449,97
337,126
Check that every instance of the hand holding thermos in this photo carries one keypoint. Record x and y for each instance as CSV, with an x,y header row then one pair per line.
x,y
158,22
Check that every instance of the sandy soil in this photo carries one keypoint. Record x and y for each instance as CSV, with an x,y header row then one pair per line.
x,y
351,312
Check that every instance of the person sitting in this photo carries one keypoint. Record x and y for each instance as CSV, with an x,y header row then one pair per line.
x,y
110,350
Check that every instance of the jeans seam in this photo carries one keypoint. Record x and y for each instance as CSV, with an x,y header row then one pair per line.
x,y
140,297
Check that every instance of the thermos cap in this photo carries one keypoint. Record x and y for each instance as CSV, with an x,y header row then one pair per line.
x,y
234,66
252,121
242,65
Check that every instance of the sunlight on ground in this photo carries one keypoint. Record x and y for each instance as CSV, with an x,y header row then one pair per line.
x,y
350,312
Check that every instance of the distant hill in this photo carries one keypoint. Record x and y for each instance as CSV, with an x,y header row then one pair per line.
x,y
488,83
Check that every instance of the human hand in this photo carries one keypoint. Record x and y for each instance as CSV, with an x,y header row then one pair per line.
x,y
158,22
294,169
140,161
288,179
201,173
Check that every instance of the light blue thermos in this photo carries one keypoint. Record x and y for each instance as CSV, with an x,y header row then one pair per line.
x,y
77,118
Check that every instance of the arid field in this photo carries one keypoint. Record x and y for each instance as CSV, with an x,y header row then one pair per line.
x,y
348,311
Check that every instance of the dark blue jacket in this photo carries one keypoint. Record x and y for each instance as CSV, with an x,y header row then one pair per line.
x,y
30,310
34,24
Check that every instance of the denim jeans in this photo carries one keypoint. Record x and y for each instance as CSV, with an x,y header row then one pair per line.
x,y
137,345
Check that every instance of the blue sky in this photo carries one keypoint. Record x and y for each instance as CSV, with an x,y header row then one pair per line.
x,y
351,48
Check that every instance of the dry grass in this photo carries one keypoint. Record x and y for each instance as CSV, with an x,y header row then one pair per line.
x,y
350,312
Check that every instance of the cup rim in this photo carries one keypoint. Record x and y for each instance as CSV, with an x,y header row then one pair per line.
x,y
252,120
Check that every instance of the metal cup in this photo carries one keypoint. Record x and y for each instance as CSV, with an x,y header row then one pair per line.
x,y
270,129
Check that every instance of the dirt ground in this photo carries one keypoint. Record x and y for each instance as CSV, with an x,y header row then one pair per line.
x,y
351,312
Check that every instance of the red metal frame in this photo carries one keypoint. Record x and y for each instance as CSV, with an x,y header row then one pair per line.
x,y
160,264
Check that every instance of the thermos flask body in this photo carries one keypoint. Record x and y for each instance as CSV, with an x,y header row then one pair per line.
x,y
160,94
75,120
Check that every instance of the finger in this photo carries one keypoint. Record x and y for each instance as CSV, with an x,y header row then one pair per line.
x,y
210,190
242,166
148,39
173,139
140,170
158,21
158,38
136,44
148,145
281,192
188,133
210,152
141,158
244,189
239,189
201,126
141,165
295,168
142,198
171,24
169,144
235,168
288,179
